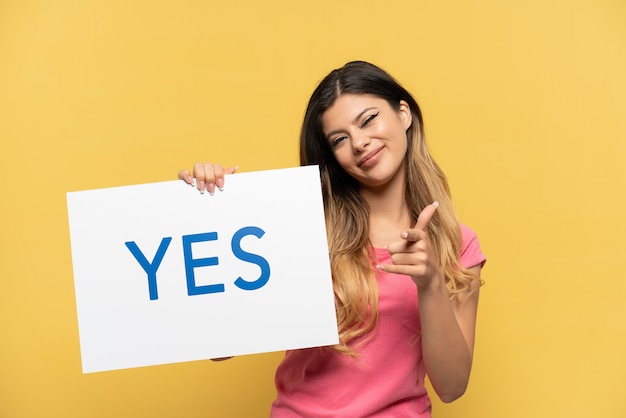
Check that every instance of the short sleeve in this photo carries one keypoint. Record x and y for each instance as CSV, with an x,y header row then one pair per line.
x,y
471,254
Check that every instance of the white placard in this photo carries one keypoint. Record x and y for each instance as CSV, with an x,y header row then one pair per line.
x,y
165,274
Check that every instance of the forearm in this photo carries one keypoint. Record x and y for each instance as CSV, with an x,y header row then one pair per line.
x,y
447,352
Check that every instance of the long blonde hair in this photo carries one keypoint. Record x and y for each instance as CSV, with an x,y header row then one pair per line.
x,y
347,213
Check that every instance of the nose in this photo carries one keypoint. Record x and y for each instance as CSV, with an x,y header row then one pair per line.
x,y
360,143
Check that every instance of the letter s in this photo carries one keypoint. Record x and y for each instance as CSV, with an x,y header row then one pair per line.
x,y
251,258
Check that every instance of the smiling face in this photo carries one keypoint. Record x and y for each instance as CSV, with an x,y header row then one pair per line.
x,y
368,137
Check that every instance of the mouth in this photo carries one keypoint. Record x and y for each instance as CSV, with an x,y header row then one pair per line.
x,y
370,158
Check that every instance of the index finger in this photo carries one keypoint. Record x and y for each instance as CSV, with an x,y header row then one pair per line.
x,y
425,216
185,175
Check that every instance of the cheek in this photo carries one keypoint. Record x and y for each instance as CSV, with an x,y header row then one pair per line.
x,y
403,137
406,143
340,158
343,158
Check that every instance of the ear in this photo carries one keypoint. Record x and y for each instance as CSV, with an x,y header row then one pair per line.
x,y
405,114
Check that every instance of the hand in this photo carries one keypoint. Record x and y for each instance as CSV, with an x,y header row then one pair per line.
x,y
412,255
207,176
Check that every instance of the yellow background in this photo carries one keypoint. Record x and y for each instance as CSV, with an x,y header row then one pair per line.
x,y
525,109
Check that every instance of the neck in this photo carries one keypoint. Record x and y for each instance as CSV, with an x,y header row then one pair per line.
x,y
389,213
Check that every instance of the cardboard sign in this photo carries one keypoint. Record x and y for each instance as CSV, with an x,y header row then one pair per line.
x,y
165,274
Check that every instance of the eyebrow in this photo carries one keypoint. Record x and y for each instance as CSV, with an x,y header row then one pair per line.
x,y
354,121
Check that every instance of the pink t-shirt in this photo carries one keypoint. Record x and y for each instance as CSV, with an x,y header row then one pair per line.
x,y
387,378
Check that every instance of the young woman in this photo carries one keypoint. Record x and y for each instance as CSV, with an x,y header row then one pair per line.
x,y
406,274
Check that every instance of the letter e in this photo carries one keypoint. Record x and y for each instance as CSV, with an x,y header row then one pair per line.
x,y
191,264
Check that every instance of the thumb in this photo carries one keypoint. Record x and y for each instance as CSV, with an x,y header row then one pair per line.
x,y
425,215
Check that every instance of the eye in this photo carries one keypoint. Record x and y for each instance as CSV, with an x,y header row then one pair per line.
x,y
336,141
369,119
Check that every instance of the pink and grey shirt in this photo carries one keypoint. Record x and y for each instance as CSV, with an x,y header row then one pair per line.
x,y
387,378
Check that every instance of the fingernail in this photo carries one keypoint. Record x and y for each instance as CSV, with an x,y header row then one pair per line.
x,y
404,235
211,188
236,168
380,267
436,204
220,184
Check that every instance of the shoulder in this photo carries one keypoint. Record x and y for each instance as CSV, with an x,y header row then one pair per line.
x,y
471,254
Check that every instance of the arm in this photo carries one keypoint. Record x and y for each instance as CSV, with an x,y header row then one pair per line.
x,y
448,332
448,326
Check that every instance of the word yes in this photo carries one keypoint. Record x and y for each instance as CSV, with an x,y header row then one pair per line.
x,y
191,263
